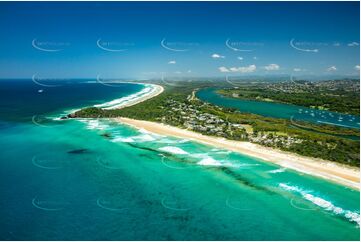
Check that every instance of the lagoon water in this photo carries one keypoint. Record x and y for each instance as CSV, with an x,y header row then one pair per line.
x,y
99,180
280,110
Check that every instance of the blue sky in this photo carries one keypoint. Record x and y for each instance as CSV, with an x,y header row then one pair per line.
x,y
148,40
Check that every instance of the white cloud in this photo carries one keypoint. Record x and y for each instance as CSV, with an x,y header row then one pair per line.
x,y
332,68
353,44
297,69
217,56
272,67
241,69
245,69
357,67
178,72
254,57
240,58
223,69
336,44
172,62
233,69
189,71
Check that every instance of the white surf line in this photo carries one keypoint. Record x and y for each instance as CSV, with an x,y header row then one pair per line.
x,y
322,203
123,102
307,165
280,170
149,91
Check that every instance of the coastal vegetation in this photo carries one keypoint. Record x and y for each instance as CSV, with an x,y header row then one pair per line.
x,y
339,96
178,106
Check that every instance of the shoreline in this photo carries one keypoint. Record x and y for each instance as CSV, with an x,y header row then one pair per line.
x,y
332,171
158,89
129,100
134,98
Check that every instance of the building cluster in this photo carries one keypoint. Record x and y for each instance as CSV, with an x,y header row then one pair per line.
x,y
274,140
189,115
308,86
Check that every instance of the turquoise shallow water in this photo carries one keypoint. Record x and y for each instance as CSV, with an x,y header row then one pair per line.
x,y
67,180
279,110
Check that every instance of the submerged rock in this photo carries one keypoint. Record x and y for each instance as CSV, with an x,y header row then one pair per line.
x,y
106,135
78,151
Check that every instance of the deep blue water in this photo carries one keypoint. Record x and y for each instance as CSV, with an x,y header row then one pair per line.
x,y
65,180
22,99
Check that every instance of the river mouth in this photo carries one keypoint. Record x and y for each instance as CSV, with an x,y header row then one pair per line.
x,y
280,110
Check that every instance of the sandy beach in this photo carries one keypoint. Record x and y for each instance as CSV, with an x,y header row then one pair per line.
x,y
149,91
154,92
342,174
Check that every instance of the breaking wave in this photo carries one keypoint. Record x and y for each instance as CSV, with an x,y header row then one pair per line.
x,y
94,124
137,138
174,150
148,88
280,170
209,162
324,204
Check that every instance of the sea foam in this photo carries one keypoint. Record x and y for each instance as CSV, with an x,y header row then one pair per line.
x,y
124,100
173,150
322,203
137,138
280,170
94,124
123,139
209,162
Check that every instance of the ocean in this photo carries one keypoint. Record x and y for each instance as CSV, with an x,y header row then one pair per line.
x,y
94,179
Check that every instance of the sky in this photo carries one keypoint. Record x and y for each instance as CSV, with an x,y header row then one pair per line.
x,y
144,40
